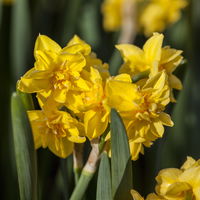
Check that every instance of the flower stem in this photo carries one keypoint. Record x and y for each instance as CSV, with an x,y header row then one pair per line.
x,y
78,161
87,172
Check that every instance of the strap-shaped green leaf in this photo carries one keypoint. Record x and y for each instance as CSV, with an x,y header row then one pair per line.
x,y
24,150
104,190
20,37
121,166
26,100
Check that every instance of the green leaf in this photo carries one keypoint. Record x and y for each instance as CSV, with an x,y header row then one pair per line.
x,y
26,100
121,166
20,37
24,150
104,190
115,62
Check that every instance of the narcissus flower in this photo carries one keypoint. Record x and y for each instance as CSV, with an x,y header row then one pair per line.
x,y
55,129
176,184
159,13
153,15
56,70
141,108
180,184
152,57
112,12
92,104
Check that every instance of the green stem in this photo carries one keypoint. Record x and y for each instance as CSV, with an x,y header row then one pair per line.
x,y
87,172
78,161
77,174
82,185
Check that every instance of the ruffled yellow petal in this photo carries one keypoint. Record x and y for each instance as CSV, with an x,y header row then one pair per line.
x,y
61,147
38,126
130,52
152,48
175,82
165,178
166,119
33,85
121,95
60,95
94,126
76,45
44,43
188,163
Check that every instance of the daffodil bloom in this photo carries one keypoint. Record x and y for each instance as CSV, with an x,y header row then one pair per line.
x,y
157,14
180,184
112,12
55,129
153,15
92,104
56,70
142,109
152,57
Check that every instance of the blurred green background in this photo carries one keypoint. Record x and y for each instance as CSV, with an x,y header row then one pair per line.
x,y
20,24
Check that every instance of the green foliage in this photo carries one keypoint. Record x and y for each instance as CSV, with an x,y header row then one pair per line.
x,y
104,190
121,166
24,150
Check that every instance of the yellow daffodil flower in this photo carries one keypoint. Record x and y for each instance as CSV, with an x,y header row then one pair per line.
x,y
159,13
55,129
112,11
176,184
180,184
152,15
92,104
152,57
141,108
56,70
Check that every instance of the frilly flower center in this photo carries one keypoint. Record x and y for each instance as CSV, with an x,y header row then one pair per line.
x,y
61,79
56,128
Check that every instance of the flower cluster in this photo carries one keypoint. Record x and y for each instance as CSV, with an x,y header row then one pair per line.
x,y
177,184
76,93
152,15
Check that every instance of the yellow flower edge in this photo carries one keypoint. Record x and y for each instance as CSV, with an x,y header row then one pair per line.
x,y
176,184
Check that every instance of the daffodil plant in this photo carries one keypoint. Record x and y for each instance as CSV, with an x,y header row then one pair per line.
x,y
79,101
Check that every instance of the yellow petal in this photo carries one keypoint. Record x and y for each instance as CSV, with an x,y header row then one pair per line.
x,y
94,126
61,147
38,126
188,163
44,43
136,195
176,189
165,119
175,82
44,60
165,178
60,95
123,77
152,48
33,85
83,48
169,54
130,51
